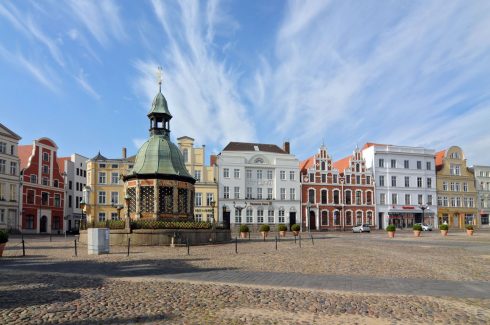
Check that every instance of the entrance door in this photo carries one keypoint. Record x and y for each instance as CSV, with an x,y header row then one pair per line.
x,y
456,221
380,220
292,219
43,226
226,219
312,224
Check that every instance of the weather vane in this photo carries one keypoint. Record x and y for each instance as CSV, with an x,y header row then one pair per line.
x,y
160,77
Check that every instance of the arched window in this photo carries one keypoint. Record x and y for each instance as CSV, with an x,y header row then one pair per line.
x,y
369,198
311,196
336,199
324,218
324,197
358,217
336,218
323,165
369,217
348,197
185,153
358,198
357,168
348,218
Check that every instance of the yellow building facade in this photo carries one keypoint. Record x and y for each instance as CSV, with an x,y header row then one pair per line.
x,y
206,186
104,193
456,193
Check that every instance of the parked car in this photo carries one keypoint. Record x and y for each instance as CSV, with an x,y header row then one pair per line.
x,y
425,227
361,228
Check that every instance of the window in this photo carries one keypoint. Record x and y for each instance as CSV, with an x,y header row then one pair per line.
x,y
13,168
101,197
336,218
348,197
199,217
381,162
453,202
471,202
236,192
282,175
30,222
369,198
45,169
30,196
406,164
429,199
336,199
452,186
2,166
429,182
56,183
358,197
419,182
44,198
2,216
358,218
455,169
33,179
249,217
45,156
114,197
281,216
324,218
324,178
291,175
102,178
226,192
269,174
248,173
292,194
311,196
393,181
312,177
335,179
407,181
101,216
369,217
77,202
70,201
198,199
270,216
57,200
226,173
101,165
465,202
420,199
428,165
259,193
381,180
324,196
393,163
236,173
45,181
269,193
368,180
457,187
358,179
260,216
439,201
185,154
259,174
419,164
347,179
85,172
444,186
322,165
407,199
13,193
3,148
465,187
283,193
445,201
115,178
458,201
249,193
394,198
114,216
209,199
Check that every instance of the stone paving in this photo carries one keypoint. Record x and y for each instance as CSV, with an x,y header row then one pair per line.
x,y
334,281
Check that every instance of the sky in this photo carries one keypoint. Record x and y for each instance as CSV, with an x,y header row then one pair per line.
x,y
339,73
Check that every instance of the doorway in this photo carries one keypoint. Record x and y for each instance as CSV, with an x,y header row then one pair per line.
x,y
312,224
292,219
43,225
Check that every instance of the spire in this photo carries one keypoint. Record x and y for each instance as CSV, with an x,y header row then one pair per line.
x,y
159,114
159,78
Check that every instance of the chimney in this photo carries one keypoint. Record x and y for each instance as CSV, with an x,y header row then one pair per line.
x,y
212,160
285,146
124,152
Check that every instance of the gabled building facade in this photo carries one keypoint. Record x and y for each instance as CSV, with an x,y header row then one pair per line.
x,y
258,184
9,179
482,183
75,168
43,188
456,193
405,183
336,195
206,186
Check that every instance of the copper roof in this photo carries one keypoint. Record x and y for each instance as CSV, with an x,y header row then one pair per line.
x,y
245,146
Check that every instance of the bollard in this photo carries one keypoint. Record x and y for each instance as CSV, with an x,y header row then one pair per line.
x,y
188,246
23,248
75,241
263,237
50,237
236,245
129,244
249,235
311,235
299,241
295,239
276,243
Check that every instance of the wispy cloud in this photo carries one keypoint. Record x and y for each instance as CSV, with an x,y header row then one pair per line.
x,y
81,78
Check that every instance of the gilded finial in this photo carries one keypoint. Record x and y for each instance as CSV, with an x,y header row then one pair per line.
x,y
159,77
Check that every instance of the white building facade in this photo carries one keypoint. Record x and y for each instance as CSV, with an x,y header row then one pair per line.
x,y
482,184
75,169
405,184
258,184
9,179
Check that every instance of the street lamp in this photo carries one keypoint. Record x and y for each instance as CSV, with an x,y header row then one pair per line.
x,y
127,199
82,207
342,213
213,205
308,209
239,208
423,207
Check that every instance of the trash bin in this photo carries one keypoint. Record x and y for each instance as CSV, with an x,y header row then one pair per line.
x,y
98,241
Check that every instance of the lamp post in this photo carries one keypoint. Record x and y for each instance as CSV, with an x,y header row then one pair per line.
x,y
308,209
423,207
127,199
213,205
82,207
342,214
239,208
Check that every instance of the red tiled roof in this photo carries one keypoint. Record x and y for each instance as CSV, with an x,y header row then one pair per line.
x,y
439,157
24,155
370,144
61,163
342,164
305,164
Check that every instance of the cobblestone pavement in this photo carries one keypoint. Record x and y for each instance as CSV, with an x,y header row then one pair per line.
x,y
340,278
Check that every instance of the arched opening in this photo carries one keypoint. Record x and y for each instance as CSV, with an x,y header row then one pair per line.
x,y
43,224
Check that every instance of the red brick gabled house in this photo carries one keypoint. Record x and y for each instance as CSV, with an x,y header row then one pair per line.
x,y
336,195
43,188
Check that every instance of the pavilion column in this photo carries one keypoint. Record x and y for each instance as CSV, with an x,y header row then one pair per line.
x,y
156,200
137,199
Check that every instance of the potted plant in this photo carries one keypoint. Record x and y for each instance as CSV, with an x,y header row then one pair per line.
x,y
417,229
244,231
282,230
469,230
4,238
391,230
264,230
444,228
295,229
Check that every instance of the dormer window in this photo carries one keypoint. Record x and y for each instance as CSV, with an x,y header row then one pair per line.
x,y
259,160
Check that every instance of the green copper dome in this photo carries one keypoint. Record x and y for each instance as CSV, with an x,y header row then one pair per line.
x,y
158,155
159,105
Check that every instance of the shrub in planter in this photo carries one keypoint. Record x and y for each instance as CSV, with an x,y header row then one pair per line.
x,y
416,230
444,227
244,228
264,228
391,230
4,238
282,227
469,230
469,227
295,229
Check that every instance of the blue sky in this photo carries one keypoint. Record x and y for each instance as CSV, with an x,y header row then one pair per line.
x,y
340,72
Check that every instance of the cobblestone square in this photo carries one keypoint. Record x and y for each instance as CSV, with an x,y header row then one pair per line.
x,y
335,278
